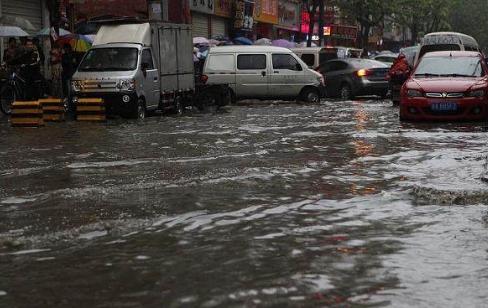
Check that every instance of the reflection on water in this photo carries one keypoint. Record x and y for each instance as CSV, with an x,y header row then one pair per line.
x,y
336,204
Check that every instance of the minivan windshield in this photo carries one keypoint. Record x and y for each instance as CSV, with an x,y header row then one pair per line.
x,y
449,67
109,59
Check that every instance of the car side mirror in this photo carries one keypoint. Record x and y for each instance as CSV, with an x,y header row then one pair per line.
x,y
298,67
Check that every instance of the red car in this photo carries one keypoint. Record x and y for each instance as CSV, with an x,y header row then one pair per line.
x,y
446,86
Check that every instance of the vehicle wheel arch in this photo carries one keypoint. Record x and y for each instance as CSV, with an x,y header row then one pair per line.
x,y
307,88
233,97
348,84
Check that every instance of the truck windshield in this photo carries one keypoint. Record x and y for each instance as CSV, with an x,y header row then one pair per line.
x,y
109,59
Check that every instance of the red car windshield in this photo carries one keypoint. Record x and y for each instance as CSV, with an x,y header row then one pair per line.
x,y
450,67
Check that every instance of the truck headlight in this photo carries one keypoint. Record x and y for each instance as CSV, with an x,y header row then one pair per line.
x,y
77,85
126,85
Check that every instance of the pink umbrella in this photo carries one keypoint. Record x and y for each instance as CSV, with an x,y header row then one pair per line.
x,y
200,41
283,43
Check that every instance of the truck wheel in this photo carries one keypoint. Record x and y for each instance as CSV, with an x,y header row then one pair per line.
x,y
179,109
140,110
311,95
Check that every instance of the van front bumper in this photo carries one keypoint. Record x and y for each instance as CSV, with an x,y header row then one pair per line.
x,y
120,103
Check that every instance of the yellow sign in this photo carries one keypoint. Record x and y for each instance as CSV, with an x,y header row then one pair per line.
x,y
266,11
327,31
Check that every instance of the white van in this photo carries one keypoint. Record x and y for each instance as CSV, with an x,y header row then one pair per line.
x,y
442,41
315,56
262,72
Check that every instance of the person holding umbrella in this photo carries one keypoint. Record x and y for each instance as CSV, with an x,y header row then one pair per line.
x,y
11,52
56,69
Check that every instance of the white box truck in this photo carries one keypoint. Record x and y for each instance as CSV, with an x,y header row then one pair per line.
x,y
140,67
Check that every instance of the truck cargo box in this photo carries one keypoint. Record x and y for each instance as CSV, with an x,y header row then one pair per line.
x,y
173,43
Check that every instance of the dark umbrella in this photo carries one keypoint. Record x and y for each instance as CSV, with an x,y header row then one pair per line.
x,y
85,27
242,41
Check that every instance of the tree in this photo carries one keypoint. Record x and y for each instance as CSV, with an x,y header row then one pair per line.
x,y
469,16
422,16
368,14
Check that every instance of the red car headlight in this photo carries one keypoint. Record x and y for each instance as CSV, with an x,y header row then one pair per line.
x,y
414,93
476,93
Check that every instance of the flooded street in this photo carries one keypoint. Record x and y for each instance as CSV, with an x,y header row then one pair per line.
x,y
272,205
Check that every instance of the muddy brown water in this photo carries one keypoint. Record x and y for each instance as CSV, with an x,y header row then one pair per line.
x,y
273,205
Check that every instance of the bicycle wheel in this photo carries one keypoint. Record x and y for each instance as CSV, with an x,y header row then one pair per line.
x,y
7,98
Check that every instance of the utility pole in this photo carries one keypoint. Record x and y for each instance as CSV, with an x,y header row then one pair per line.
x,y
311,6
321,22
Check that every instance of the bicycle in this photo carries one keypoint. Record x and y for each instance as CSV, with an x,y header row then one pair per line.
x,y
15,88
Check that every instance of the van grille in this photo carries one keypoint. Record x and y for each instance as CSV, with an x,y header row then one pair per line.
x,y
96,85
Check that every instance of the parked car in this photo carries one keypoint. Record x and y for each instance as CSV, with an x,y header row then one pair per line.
x,y
348,78
262,72
387,58
446,86
439,41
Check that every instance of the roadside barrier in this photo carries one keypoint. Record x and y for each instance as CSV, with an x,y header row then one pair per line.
x,y
90,109
52,109
27,114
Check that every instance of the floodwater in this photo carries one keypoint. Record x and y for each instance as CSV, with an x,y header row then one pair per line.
x,y
271,205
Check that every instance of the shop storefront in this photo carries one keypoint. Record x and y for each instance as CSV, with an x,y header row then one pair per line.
x,y
288,20
243,18
32,10
266,17
201,11
222,18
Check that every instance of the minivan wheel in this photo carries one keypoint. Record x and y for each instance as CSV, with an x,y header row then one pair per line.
x,y
310,95
346,93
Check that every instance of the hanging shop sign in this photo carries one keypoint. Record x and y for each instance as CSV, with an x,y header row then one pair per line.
x,y
343,32
288,13
202,6
223,8
87,9
266,11
244,15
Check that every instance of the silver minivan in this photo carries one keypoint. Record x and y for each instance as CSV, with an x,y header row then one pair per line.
x,y
445,41
262,72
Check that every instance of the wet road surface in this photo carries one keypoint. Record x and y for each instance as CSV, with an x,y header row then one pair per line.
x,y
273,205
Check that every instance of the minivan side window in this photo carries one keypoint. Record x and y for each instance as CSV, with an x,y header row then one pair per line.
x,y
221,63
285,62
147,59
251,62
308,58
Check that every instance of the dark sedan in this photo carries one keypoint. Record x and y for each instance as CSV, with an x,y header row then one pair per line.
x,y
348,78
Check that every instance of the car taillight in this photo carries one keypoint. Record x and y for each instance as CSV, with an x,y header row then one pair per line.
x,y
363,73
204,79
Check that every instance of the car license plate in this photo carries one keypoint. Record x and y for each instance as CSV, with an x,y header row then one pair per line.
x,y
444,106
